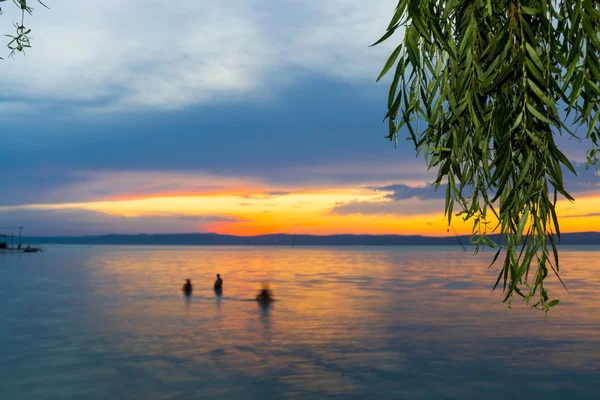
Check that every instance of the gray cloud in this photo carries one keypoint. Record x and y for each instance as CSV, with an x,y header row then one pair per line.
x,y
596,214
364,171
80,222
402,192
587,180
23,186
119,54
403,200
55,185
277,193
406,207
60,186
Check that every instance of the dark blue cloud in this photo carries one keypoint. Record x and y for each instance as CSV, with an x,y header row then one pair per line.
x,y
316,131
21,185
392,203
299,135
586,179
407,207
402,192
82,222
596,214
277,193
314,121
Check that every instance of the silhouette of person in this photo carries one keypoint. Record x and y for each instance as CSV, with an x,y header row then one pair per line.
x,y
187,287
265,295
219,282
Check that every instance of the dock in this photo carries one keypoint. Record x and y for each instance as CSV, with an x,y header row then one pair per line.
x,y
8,245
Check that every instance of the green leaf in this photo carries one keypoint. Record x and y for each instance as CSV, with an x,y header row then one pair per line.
x,y
537,114
488,7
389,33
522,223
390,62
530,11
524,170
534,57
397,15
394,86
552,303
540,95
437,30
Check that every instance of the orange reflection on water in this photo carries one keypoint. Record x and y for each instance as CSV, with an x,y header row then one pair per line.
x,y
345,306
233,331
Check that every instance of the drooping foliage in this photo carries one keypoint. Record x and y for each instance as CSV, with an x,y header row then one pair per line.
x,y
483,87
20,40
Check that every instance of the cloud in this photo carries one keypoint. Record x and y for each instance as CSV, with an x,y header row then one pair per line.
x,y
59,186
401,199
265,195
84,222
153,54
595,214
23,186
277,193
14,110
402,192
586,181
412,206
364,171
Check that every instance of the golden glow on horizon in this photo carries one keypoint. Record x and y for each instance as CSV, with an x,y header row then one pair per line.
x,y
311,212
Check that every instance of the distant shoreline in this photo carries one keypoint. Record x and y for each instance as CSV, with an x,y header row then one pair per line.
x,y
213,239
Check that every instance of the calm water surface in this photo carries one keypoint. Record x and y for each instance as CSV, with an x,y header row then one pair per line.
x,y
368,323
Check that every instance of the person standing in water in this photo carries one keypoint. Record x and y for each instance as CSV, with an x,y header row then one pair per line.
x,y
187,287
219,282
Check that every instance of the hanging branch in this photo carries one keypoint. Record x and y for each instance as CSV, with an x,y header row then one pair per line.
x,y
21,39
494,82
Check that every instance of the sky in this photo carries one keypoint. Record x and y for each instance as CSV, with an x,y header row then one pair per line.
x,y
239,117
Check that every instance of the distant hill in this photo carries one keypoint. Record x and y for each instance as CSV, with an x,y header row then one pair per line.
x,y
213,239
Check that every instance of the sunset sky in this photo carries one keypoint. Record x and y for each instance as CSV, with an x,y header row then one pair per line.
x,y
240,117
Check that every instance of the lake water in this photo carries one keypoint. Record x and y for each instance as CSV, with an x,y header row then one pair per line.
x,y
355,323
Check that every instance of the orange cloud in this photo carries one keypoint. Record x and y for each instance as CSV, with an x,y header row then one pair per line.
x,y
313,212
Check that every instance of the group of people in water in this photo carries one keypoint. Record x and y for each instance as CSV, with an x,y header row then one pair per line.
x,y
265,295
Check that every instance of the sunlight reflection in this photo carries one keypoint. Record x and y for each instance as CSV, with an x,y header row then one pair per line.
x,y
350,321
330,299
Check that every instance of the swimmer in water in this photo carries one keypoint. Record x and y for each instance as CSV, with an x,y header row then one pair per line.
x,y
187,287
265,295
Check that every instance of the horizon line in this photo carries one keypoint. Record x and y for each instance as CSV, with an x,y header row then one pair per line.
x,y
279,233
